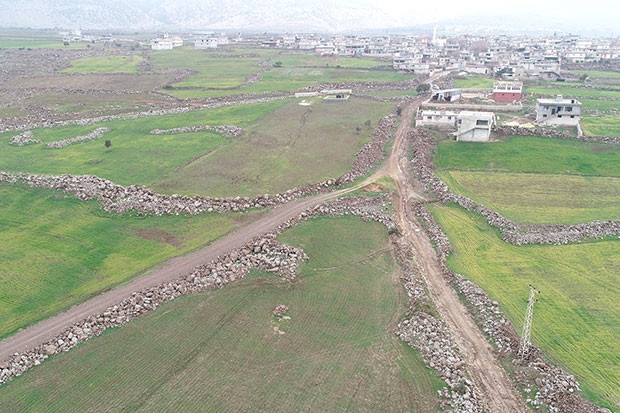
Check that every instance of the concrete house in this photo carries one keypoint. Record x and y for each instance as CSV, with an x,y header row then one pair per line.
x,y
439,118
558,111
474,126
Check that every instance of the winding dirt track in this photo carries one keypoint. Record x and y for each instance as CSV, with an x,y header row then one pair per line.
x,y
494,386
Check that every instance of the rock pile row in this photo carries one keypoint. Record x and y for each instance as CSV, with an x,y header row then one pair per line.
x,y
551,133
229,131
367,157
556,388
96,134
261,253
512,232
431,337
141,200
32,123
24,139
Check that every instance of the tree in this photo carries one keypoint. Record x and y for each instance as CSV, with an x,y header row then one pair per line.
x,y
399,110
423,87
277,64
108,144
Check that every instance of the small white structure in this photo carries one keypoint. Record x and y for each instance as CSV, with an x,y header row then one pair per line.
x,y
558,111
439,118
474,126
206,43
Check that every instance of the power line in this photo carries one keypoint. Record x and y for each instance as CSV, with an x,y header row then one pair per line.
x,y
527,326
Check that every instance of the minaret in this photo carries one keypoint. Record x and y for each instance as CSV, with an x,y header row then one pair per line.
x,y
434,34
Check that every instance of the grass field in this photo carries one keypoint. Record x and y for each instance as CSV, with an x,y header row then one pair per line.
x,y
577,319
217,351
538,198
285,145
531,154
474,82
135,156
57,251
105,64
289,147
601,125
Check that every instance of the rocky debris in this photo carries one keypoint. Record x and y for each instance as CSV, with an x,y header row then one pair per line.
x,y
24,139
280,310
225,130
96,134
263,252
367,157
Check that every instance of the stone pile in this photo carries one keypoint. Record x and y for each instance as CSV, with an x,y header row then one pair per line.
x,y
551,133
263,252
228,131
24,139
96,134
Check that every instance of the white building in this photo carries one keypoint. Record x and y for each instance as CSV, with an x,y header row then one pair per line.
x,y
558,111
439,118
474,126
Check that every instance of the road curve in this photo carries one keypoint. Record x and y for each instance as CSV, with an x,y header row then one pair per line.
x,y
170,270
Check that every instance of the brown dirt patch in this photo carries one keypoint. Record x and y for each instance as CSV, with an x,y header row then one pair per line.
x,y
159,236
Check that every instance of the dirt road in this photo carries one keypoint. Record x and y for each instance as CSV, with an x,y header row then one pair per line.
x,y
172,269
495,388
492,381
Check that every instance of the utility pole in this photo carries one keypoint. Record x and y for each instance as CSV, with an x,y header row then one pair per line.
x,y
527,326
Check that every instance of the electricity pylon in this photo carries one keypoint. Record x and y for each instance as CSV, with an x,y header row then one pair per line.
x,y
527,326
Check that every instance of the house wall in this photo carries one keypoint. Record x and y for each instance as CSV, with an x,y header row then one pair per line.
x,y
474,135
508,97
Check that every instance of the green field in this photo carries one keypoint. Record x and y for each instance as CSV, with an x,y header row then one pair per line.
x,y
105,64
57,251
577,319
474,82
135,156
289,147
540,198
284,145
601,125
531,154
218,351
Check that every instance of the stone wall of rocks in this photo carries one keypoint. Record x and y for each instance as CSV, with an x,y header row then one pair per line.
x,y
96,134
141,200
554,388
551,133
515,233
228,131
373,152
263,252
24,139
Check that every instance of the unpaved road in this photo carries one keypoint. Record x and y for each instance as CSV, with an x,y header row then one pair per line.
x,y
170,270
493,383
495,387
